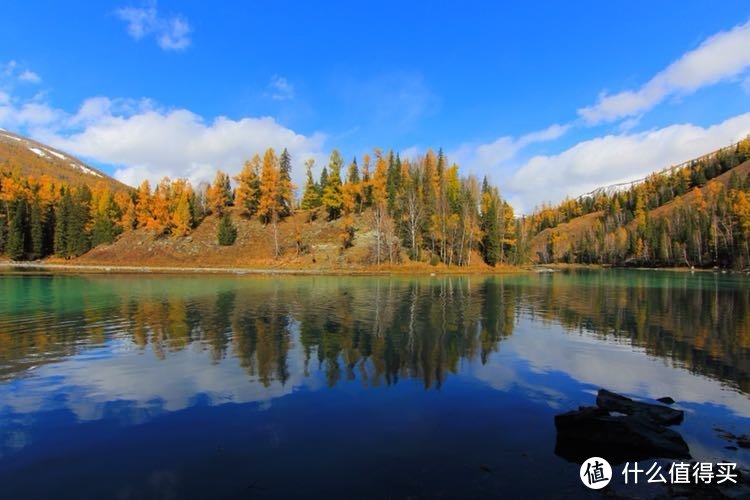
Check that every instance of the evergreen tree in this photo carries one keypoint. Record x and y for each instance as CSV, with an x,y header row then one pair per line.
x,y
105,228
16,244
332,199
393,180
62,216
491,246
323,182
227,233
3,232
247,194
36,228
310,197
78,241
285,192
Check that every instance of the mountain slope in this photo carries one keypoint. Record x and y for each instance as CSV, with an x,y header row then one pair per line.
x,y
697,212
23,156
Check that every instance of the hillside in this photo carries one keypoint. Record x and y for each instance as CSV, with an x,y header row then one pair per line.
x,y
303,243
695,214
22,156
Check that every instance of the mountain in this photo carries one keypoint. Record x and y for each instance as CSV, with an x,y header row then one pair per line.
x,y
693,214
24,156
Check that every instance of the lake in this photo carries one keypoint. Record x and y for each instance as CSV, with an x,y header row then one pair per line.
x,y
152,386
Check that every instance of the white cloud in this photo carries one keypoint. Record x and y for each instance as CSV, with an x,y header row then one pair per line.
x,y
720,57
746,85
618,158
490,156
29,77
28,114
143,142
171,33
280,89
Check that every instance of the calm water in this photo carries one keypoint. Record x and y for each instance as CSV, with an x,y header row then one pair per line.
x,y
246,387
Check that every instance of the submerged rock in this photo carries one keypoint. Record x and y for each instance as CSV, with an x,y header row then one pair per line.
x,y
657,413
666,400
619,430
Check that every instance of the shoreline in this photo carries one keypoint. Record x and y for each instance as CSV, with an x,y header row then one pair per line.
x,y
10,266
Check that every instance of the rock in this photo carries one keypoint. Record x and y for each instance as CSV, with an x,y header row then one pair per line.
x,y
658,414
666,400
743,441
733,448
592,431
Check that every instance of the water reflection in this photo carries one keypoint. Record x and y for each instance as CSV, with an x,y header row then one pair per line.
x,y
412,355
373,330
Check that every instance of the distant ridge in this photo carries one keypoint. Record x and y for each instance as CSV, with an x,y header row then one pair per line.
x,y
23,156
611,189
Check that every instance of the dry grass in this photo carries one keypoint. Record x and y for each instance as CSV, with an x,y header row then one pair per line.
x,y
254,249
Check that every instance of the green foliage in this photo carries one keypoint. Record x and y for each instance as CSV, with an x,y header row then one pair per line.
x,y
227,232
332,198
311,195
36,224
16,244
3,231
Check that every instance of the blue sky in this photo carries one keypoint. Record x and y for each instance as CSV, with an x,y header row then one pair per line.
x,y
546,99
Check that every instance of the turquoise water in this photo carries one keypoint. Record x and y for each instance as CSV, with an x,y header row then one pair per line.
x,y
263,387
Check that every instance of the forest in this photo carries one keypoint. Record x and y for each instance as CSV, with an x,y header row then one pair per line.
x,y
420,208
693,215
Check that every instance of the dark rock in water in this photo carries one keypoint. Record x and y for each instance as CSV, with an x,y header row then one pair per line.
x,y
591,431
656,413
733,448
743,441
666,400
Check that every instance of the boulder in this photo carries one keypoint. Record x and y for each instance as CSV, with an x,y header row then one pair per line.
x,y
593,431
659,414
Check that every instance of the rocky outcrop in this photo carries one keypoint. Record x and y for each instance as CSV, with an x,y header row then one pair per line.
x,y
619,430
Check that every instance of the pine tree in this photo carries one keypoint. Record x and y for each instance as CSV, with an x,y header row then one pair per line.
x,y
16,244
105,228
332,199
491,246
62,216
3,231
286,188
227,233
366,181
310,196
36,228
78,241
323,182
247,194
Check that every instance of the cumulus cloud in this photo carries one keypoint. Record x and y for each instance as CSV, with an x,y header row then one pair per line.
x,y
29,77
170,33
720,57
144,142
490,156
28,114
617,158
279,89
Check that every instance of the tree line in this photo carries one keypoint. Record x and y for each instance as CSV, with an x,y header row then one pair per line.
x,y
421,208
707,223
